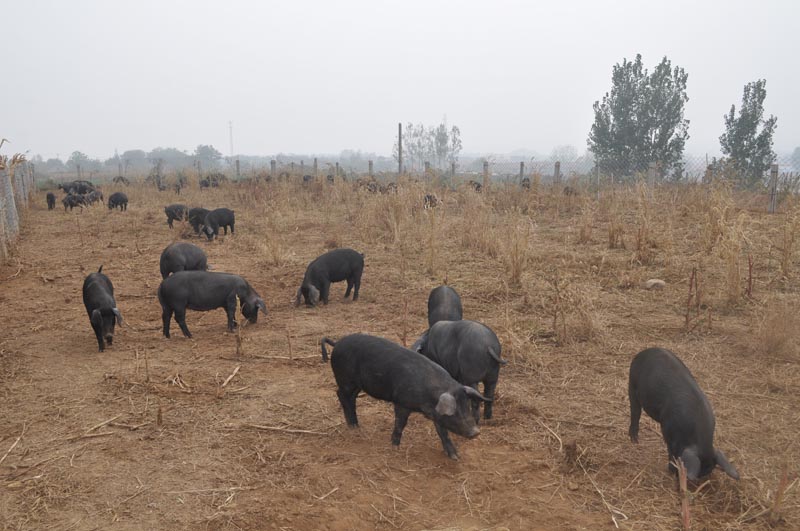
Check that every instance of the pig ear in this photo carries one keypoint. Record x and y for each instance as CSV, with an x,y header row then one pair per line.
x,y
96,318
297,299
723,463
446,404
691,462
475,395
314,294
119,316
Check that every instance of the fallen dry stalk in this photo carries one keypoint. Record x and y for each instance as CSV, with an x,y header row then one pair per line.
x,y
278,428
229,378
13,445
686,517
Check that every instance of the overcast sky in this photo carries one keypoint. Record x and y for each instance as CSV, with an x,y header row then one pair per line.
x,y
320,77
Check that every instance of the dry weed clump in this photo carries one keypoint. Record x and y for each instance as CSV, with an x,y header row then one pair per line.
x,y
788,240
644,243
719,207
571,309
616,228
776,330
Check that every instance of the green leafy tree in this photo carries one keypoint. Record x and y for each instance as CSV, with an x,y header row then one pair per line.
x,y
77,159
641,120
455,145
749,151
207,155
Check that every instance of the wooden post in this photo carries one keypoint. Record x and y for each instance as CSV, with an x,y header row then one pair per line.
x,y
237,168
485,175
427,169
337,169
273,165
452,169
302,168
371,172
399,149
78,168
557,173
119,169
521,171
773,188
315,168
651,174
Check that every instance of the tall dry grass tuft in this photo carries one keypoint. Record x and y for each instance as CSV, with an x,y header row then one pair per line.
x,y
588,213
733,237
718,207
516,245
776,332
478,229
644,243
616,228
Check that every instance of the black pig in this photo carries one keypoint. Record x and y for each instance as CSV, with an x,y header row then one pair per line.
x,y
220,217
182,256
661,384
118,199
444,304
98,298
387,371
333,266
196,217
175,212
51,200
470,352
203,291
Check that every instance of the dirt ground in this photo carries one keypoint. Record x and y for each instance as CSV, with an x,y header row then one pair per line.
x,y
145,435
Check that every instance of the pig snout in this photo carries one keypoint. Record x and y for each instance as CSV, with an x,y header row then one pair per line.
x,y
473,432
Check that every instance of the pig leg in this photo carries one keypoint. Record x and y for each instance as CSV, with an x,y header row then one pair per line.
x,y
166,316
99,340
225,228
231,228
230,310
180,317
349,287
636,412
357,286
447,444
169,222
488,391
475,406
347,397
400,419
324,291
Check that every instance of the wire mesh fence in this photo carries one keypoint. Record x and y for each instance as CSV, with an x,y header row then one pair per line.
x,y
16,185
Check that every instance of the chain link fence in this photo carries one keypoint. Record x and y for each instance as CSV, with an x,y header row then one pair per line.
x,y
16,186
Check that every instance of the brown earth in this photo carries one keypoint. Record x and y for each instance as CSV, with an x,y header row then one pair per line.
x,y
144,436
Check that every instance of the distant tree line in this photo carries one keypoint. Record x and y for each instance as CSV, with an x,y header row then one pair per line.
x,y
438,145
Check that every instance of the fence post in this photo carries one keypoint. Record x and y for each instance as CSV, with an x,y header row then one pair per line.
x,y
427,169
453,169
237,168
773,188
273,164
485,174
78,169
557,173
371,172
337,169
651,174
302,168
315,169
521,171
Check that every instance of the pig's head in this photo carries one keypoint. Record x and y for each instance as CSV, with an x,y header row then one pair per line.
x,y
453,411
103,321
698,466
309,293
208,231
250,308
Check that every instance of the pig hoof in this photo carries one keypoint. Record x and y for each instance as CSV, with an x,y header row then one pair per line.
x,y
453,456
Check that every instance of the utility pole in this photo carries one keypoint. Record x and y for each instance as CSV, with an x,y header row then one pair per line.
x,y
399,149
230,131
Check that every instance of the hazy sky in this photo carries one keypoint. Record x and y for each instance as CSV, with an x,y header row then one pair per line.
x,y
319,77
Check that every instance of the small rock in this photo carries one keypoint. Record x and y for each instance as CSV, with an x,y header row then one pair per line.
x,y
655,283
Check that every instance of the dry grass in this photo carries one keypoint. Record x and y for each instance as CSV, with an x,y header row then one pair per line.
x,y
184,451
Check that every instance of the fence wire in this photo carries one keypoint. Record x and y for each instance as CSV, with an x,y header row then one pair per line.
x,y
16,186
